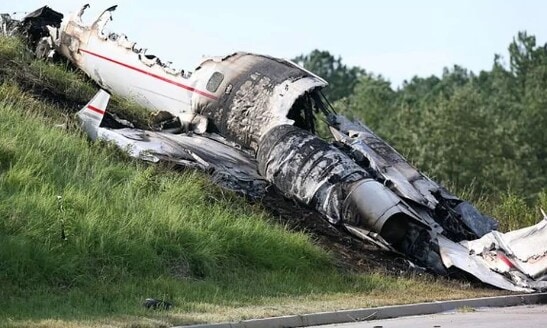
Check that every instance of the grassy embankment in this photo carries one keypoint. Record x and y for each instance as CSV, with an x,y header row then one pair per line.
x,y
133,231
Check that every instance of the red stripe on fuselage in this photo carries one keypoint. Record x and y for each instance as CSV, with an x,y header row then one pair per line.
x,y
96,110
505,260
136,69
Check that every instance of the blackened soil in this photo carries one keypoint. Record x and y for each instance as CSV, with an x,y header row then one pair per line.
x,y
350,253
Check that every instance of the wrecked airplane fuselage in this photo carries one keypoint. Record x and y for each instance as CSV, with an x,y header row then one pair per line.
x,y
121,67
251,118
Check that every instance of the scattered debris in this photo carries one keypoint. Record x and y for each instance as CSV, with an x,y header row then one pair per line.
x,y
154,304
33,28
250,119
230,167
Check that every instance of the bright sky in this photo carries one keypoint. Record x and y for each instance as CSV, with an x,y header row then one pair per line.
x,y
397,39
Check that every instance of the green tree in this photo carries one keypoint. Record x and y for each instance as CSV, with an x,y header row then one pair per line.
x,y
371,102
486,129
341,78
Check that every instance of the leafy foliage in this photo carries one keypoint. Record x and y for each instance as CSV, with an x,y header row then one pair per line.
x,y
485,131
341,78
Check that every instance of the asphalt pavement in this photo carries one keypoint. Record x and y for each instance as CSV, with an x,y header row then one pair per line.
x,y
527,316
513,311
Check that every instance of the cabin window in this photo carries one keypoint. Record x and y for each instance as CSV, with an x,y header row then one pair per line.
x,y
214,82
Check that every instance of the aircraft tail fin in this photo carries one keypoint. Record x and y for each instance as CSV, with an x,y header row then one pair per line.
x,y
92,114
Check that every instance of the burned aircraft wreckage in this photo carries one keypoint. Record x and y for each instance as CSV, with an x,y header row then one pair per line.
x,y
250,120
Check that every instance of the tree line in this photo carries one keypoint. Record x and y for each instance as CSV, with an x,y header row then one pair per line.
x,y
481,131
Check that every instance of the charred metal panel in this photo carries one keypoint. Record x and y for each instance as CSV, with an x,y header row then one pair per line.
x,y
382,158
8,25
459,220
256,93
266,106
33,28
524,249
456,255
306,168
229,167
35,23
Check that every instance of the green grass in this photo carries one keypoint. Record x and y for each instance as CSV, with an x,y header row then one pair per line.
x,y
61,84
510,209
133,231
86,234
121,219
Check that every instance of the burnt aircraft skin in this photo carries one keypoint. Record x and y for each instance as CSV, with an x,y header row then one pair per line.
x,y
256,94
229,167
261,112
458,219
121,67
33,28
